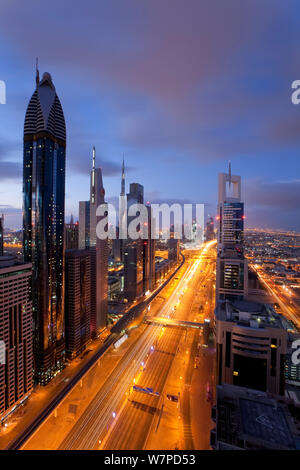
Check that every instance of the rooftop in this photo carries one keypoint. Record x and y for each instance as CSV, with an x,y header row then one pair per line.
x,y
251,314
249,419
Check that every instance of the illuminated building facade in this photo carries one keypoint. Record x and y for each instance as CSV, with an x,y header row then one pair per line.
x,y
43,224
88,220
133,252
251,346
1,234
232,268
16,375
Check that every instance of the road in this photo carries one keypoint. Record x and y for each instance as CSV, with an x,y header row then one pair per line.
x,y
25,421
288,302
118,417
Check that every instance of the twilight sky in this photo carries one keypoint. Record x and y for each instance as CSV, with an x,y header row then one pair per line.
x,y
181,87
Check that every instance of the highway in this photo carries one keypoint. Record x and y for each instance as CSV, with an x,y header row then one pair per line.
x,y
70,381
283,296
118,417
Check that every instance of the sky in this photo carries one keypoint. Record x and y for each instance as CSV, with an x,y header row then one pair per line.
x,y
180,87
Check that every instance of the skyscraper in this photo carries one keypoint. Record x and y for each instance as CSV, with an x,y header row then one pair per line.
x,y
16,332
210,230
119,243
251,340
78,301
71,235
84,225
88,221
133,251
1,234
232,269
173,246
43,223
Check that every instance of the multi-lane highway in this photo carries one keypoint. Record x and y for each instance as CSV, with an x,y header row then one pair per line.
x,y
287,301
118,417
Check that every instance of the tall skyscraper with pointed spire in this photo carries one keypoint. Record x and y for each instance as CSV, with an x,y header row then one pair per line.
x,y
88,220
43,223
119,243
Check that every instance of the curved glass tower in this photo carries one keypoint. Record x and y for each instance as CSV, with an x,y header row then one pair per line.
x,y
43,224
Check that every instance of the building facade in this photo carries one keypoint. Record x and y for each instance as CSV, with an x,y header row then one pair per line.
x,y
78,301
232,267
16,373
133,251
88,239
43,224
71,235
251,346
1,234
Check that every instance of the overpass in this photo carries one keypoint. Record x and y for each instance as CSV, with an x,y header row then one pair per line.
x,y
164,321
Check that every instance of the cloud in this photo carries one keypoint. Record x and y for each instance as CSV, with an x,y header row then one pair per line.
x,y
277,195
10,171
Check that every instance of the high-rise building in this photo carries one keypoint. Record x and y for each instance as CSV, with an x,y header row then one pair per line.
x,y
84,225
133,251
119,242
16,380
78,301
1,234
210,230
43,223
88,220
232,268
152,245
71,234
173,247
251,346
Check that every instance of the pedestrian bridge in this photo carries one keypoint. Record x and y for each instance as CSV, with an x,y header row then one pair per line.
x,y
163,321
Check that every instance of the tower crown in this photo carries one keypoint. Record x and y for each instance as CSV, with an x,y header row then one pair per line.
x,y
44,112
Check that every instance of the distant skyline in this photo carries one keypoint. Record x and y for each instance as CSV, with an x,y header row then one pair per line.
x,y
181,88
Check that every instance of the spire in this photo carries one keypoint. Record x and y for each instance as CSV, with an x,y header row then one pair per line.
x,y
94,157
37,73
123,178
229,173
72,220
93,194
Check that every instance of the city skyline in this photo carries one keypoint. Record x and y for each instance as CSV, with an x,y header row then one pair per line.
x,y
200,109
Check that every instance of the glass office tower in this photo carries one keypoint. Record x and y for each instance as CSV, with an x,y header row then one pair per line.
x,y
43,224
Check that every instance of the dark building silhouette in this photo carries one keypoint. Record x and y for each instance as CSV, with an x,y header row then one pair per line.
x,y
43,224
78,301
133,251
173,247
210,230
71,234
88,239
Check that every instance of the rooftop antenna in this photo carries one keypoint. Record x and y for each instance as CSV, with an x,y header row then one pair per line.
x,y
37,73
94,157
123,178
229,173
